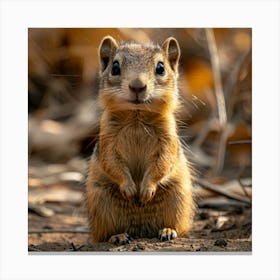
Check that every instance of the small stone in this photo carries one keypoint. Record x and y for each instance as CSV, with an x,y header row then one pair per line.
x,y
220,242
204,216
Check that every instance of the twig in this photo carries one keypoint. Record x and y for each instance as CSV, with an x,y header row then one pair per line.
x,y
220,98
74,248
237,142
243,186
221,150
233,80
221,205
32,249
40,210
217,76
215,189
62,230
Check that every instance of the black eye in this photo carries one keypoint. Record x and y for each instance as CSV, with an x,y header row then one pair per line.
x,y
116,69
160,69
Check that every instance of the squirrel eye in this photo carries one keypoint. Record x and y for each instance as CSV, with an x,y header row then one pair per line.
x,y
116,69
160,69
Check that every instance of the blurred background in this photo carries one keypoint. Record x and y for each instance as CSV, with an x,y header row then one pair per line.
x,y
214,120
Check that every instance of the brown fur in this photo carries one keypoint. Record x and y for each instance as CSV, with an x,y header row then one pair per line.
x,y
139,181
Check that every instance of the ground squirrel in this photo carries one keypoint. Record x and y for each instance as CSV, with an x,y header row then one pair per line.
x,y
139,182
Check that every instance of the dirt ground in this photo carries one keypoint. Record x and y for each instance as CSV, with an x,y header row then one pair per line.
x,y
57,220
236,238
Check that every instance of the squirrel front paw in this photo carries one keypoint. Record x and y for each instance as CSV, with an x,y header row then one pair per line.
x,y
147,192
128,190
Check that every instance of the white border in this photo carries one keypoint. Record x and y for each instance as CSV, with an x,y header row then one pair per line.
x,y
17,16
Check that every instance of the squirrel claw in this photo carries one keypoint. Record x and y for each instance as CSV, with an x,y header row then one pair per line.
x,y
147,193
128,191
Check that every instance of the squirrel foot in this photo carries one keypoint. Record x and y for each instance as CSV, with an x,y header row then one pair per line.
x,y
120,239
167,234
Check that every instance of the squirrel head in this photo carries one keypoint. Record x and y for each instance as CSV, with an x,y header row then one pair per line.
x,y
138,77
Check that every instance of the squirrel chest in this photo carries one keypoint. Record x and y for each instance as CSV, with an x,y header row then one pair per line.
x,y
135,139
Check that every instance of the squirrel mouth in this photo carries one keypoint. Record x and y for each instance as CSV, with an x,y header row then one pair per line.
x,y
137,101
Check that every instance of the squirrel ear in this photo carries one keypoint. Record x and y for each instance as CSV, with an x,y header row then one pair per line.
x,y
107,49
172,51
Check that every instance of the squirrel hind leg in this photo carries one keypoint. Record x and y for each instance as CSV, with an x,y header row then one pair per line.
x,y
167,234
120,239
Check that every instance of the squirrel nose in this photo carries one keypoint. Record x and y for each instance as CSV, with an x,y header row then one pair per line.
x,y
137,86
